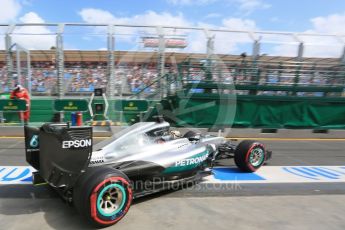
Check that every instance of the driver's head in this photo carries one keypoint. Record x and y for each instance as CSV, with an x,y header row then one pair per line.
x,y
175,133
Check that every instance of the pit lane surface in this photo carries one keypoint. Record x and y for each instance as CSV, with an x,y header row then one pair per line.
x,y
240,206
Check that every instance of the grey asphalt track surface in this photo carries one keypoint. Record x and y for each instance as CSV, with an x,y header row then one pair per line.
x,y
244,206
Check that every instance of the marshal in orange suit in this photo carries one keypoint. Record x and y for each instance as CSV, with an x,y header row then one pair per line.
x,y
20,92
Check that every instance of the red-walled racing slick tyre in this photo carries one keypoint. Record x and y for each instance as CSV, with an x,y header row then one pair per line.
x,y
103,196
250,155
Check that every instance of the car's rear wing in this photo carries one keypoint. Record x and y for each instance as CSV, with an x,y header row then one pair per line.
x,y
60,153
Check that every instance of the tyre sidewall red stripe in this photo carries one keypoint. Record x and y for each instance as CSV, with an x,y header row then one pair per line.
x,y
254,145
93,200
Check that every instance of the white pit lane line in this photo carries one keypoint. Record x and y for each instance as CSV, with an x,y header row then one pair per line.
x,y
279,174
266,174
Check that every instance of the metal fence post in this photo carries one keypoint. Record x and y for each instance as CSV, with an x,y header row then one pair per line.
x,y
299,59
210,46
29,71
209,58
60,64
161,62
300,52
255,72
111,62
18,67
343,56
342,62
60,61
343,68
9,55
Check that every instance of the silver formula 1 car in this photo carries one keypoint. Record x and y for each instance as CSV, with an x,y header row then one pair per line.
x,y
101,180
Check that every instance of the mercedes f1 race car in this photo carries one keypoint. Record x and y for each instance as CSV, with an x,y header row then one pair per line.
x,y
101,180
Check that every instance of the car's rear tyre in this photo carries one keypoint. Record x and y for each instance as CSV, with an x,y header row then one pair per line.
x,y
250,155
103,196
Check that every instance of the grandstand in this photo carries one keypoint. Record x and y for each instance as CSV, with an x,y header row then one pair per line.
x,y
251,86
86,70
163,59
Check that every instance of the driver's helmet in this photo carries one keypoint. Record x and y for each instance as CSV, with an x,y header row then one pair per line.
x,y
175,134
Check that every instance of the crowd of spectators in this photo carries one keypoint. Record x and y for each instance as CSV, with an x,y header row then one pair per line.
x,y
263,75
43,77
127,78
86,76
4,80
142,77
136,78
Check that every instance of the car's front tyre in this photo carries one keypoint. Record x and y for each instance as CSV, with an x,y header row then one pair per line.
x,y
250,155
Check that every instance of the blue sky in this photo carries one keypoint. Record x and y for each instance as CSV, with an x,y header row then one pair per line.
x,y
318,16
289,15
